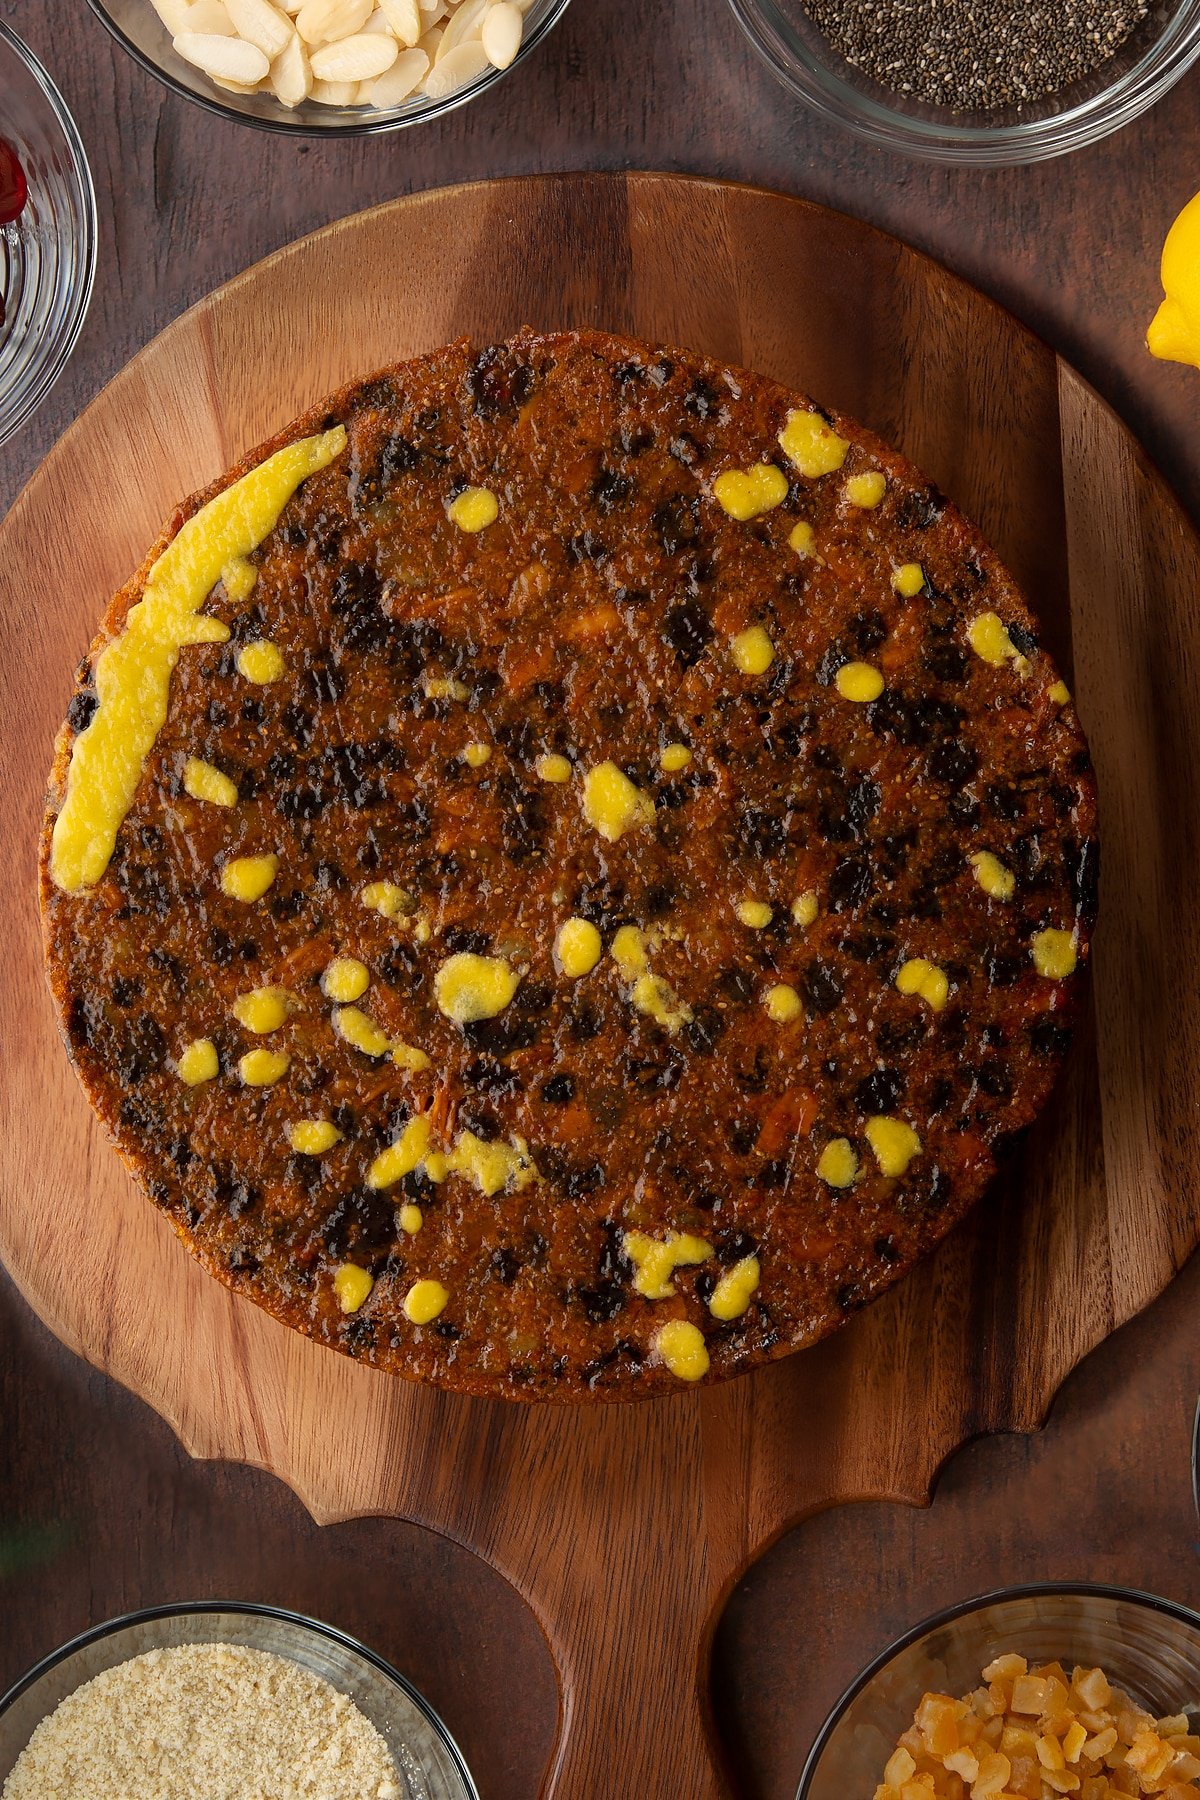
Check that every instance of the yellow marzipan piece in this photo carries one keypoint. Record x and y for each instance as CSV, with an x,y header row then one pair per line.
x,y
133,673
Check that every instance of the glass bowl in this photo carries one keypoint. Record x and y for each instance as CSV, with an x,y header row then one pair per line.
x,y
1147,1646
48,255
1161,49
428,1761
138,29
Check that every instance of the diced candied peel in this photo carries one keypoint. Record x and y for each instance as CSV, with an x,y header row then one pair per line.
x,y
900,1768
1176,1726
937,1720
994,1771
1033,1733
1050,1752
1006,1668
1074,1741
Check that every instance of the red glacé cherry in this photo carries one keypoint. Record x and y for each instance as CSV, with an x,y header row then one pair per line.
x,y
14,189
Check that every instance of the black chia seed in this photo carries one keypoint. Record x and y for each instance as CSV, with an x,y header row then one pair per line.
x,y
977,55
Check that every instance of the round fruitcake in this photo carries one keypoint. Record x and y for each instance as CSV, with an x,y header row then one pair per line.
x,y
564,868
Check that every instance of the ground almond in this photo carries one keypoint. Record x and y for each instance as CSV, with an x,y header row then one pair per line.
x,y
211,1719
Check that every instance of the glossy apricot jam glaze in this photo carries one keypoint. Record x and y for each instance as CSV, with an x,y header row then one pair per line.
x,y
564,867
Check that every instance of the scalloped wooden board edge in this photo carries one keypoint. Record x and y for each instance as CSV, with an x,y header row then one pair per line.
x,y
582,1508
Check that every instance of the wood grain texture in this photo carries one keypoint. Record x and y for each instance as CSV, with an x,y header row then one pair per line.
x,y
625,1527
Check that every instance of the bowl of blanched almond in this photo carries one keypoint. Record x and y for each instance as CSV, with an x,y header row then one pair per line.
x,y
318,66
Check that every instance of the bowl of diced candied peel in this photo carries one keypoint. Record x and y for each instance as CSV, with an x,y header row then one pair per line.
x,y
1040,1731
321,66
1025,1695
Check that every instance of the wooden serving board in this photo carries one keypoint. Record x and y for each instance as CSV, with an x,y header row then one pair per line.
x,y
625,1527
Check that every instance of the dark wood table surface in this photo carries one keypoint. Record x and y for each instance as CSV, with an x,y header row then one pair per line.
x,y
100,1510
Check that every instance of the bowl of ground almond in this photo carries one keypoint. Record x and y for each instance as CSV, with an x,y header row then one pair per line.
x,y
228,1703
1023,1695
992,82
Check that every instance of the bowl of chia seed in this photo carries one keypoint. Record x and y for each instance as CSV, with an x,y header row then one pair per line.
x,y
988,82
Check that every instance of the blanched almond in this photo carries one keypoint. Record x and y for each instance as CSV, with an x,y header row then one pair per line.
x,y
398,82
231,58
210,18
291,73
464,23
334,93
359,58
260,24
404,17
174,14
501,34
455,69
346,53
324,21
